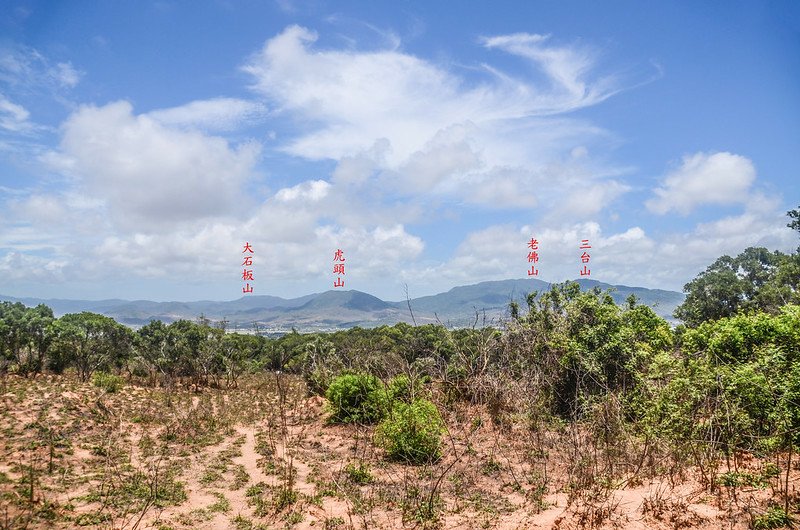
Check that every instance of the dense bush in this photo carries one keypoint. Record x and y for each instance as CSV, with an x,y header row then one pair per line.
x,y
412,432
357,398
735,385
109,382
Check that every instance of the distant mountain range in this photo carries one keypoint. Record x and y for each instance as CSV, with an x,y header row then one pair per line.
x,y
482,304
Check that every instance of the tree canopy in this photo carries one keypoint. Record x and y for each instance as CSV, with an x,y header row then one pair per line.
x,y
756,279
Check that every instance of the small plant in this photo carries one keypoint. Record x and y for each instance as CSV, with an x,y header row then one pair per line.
x,y
774,517
491,467
413,432
284,496
421,508
255,490
333,522
223,505
294,518
109,382
770,470
358,474
357,398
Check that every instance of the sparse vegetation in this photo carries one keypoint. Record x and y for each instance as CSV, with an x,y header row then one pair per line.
x,y
554,414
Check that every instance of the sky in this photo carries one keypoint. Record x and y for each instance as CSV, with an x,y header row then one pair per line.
x,y
143,144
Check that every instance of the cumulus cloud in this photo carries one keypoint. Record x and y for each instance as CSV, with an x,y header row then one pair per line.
x,y
629,256
209,248
500,251
152,175
18,266
42,209
411,139
586,200
372,253
704,178
312,191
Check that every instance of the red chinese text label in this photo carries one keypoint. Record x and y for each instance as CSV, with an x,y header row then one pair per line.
x,y
247,274
585,257
533,256
338,267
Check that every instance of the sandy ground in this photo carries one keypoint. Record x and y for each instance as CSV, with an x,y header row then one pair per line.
x,y
237,458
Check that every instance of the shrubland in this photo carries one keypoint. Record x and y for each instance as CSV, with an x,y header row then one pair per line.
x,y
571,400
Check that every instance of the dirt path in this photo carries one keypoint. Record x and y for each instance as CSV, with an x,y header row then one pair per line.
x,y
249,458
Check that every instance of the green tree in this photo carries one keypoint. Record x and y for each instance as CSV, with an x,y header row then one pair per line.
x,y
728,285
88,342
38,323
794,216
14,337
152,346
581,346
238,353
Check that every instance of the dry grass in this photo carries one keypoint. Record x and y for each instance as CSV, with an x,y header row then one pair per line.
x,y
262,456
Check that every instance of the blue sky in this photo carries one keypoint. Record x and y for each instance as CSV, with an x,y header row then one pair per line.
x,y
141,144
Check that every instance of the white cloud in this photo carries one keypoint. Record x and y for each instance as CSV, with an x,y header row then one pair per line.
x,y
358,169
500,252
312,191
567,68
218,114
372,253
13,117
66,75
412,140
28,69
717,178
358,97
152,175
420,128
17,266
43,209
584,200
208,250
630,256
446,155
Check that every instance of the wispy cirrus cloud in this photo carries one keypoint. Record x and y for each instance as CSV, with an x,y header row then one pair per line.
x,y
13,117
27,77
567,68
218,114
426,128
26,69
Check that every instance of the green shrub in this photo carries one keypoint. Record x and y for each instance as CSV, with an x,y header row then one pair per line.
x,y
358,474
400,388
109,382
773,518
413,432
357,398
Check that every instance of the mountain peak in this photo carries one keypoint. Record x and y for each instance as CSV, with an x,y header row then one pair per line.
x,y
337,309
